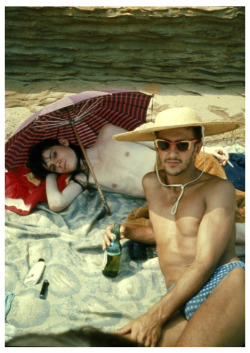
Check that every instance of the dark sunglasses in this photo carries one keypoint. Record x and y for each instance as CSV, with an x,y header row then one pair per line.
x,y
182,145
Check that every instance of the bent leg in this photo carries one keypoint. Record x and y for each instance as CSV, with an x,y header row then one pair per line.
x,y
173,330
220,320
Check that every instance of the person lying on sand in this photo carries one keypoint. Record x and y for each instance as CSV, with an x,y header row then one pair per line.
x,y
118,166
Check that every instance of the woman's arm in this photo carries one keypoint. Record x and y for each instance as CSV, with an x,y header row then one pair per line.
x,y
57,200
218,152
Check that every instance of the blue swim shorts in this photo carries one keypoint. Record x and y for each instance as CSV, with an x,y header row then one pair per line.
x,y
194,303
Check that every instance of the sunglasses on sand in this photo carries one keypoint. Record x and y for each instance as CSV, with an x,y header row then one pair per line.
x,y
182,145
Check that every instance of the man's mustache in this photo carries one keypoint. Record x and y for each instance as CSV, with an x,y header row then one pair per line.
x,y
172,160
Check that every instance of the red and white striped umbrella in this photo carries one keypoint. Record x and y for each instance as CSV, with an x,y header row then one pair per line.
x,y
79,119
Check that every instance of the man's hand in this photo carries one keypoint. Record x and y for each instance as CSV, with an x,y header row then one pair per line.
x,y
143,330
141,234
109,236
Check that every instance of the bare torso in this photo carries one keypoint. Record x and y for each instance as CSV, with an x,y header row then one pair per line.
x,y
120,166
176,235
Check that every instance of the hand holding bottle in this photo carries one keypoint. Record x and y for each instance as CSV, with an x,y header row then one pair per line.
x,y
112,255
109,236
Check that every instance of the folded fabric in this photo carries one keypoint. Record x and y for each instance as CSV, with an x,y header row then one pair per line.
x,y
9,296
212,165
140,251
23,190
9,329
240,208
236,174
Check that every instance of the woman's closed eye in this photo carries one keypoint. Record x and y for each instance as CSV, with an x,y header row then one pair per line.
x,y
53,155
49,164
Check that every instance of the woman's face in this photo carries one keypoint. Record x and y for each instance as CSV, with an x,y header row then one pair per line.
x,y
60,158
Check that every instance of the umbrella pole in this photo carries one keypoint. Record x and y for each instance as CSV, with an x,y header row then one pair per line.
x,y
91,170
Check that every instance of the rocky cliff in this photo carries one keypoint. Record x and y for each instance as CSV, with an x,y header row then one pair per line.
x,y
162,45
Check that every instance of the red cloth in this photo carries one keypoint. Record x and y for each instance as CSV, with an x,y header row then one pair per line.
x,y
23,190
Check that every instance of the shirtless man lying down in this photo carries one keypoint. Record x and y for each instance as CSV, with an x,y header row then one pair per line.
x,y
118,166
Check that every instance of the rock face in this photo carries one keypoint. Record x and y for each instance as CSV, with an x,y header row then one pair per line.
x,y
161,45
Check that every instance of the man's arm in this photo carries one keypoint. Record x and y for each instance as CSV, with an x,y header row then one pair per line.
x,y
213,237
141,234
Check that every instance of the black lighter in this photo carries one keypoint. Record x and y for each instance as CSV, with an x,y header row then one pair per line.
x,y
44,289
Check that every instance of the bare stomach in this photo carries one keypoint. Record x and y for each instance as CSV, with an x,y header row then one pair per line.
x,y
174,264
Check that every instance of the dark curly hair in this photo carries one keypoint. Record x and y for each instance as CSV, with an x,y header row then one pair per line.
x,y
36,162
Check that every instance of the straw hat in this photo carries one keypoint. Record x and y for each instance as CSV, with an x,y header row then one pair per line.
x,y
176,118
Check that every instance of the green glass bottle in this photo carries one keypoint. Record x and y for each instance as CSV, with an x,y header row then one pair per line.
x,y
112,255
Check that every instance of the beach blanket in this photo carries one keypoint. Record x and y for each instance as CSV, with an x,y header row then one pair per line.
x,y
78,293
70,243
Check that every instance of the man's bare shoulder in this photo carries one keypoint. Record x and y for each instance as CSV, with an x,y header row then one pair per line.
x,y
149,177
217,188
216,180
149,181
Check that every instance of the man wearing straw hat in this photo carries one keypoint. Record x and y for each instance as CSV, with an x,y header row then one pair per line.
x,y
192,224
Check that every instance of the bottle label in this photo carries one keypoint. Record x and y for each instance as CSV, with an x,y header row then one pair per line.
x,y
115,248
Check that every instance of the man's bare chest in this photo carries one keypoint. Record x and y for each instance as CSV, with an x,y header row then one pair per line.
x,y
187,218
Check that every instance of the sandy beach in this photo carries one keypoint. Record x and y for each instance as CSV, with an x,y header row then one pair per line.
x,y
185,56
23,99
